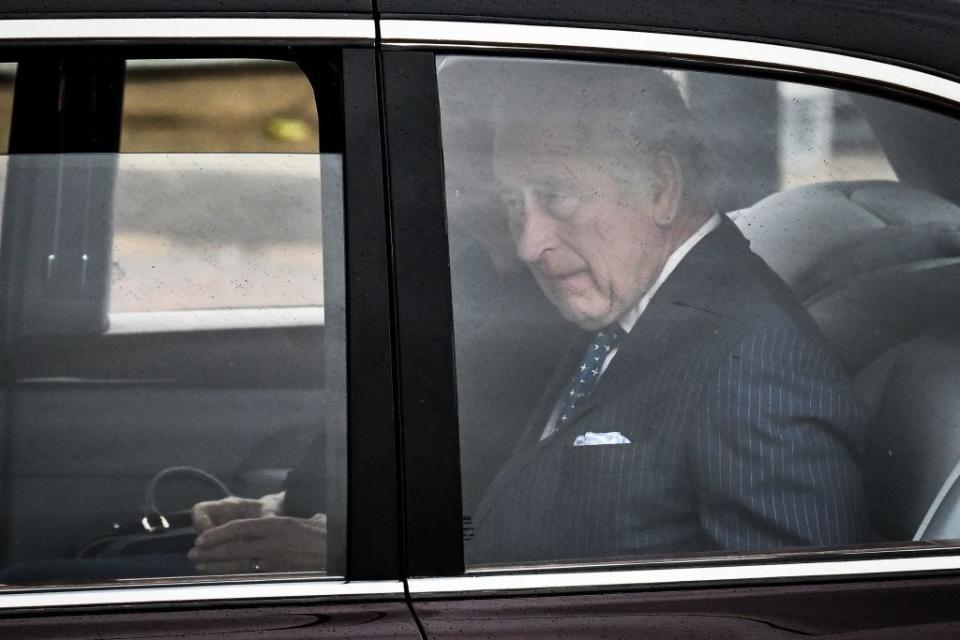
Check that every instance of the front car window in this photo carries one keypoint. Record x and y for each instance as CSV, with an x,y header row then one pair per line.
x,y
695,313
175,348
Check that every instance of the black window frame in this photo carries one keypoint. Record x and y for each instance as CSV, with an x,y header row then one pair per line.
x,y
372,531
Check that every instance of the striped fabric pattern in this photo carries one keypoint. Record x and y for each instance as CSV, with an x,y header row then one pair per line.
x,y
743,433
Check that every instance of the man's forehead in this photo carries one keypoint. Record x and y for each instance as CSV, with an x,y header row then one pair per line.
x,y
554,134
550,150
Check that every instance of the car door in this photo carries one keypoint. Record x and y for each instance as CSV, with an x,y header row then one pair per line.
x,y
809,172
201,194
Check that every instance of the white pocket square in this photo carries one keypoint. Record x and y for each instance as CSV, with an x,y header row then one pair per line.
x,y
591,438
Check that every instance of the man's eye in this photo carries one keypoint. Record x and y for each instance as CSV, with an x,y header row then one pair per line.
x,y
558,204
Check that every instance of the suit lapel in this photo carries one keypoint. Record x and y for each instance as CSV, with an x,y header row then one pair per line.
x,y
688,291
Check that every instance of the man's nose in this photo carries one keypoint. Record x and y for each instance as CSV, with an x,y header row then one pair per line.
x,y
537,234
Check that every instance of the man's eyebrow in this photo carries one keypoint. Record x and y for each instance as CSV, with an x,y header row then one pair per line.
x,y
543,183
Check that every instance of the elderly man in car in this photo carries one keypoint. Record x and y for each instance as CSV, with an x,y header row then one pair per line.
x,y
701,410
697,410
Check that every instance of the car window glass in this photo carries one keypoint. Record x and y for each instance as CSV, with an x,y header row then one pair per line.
x,y
7,75
175,343
8,72
218,174
694,312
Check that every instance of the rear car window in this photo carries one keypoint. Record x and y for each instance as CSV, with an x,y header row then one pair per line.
x,y
697,313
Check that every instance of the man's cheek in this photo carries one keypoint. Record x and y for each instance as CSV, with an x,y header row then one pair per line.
x,y
589,304
572,293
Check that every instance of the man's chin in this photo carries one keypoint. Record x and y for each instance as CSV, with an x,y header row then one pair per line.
x,y
585,320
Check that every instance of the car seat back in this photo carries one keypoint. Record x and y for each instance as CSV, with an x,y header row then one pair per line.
x,y
814,235
877,265
913,458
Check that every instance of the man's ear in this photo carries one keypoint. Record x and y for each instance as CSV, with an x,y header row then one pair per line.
x,y
666,187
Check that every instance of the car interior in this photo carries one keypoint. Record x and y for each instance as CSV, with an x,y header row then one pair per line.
x,y
111,413
875,263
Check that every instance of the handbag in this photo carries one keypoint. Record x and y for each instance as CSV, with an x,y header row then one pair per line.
x,y
156,531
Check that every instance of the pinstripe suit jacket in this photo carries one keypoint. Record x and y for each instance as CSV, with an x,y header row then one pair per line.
x,y
743,431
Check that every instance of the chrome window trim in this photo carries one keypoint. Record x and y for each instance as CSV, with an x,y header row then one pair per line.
x,y
357,29
190,593
183,320
484,35
594,577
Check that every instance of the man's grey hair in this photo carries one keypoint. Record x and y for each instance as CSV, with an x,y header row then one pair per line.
x,y
625,115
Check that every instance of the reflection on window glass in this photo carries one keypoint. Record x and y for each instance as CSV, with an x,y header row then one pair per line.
x,y
218,190
177,341
210,231
218,106
8,72
824,137
680,300
7,75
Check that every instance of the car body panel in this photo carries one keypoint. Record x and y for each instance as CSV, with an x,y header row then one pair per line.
x,y
920,608
403,414
361,620
539,608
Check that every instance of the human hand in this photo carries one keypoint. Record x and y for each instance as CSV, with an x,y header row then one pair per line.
x,y
214,513
263,544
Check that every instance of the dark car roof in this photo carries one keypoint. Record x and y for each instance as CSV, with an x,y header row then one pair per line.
x,y
920,32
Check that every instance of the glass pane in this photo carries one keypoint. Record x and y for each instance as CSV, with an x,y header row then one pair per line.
x,y
182,221
249,106
190,208
683,300
8,72
177,394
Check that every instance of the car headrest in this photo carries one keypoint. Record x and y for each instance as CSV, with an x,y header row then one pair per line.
x,y
876,250
794,231
868,315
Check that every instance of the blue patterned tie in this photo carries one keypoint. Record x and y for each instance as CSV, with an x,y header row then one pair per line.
x,y
588,372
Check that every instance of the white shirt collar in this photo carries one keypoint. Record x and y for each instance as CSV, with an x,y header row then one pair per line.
x,y
629,319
